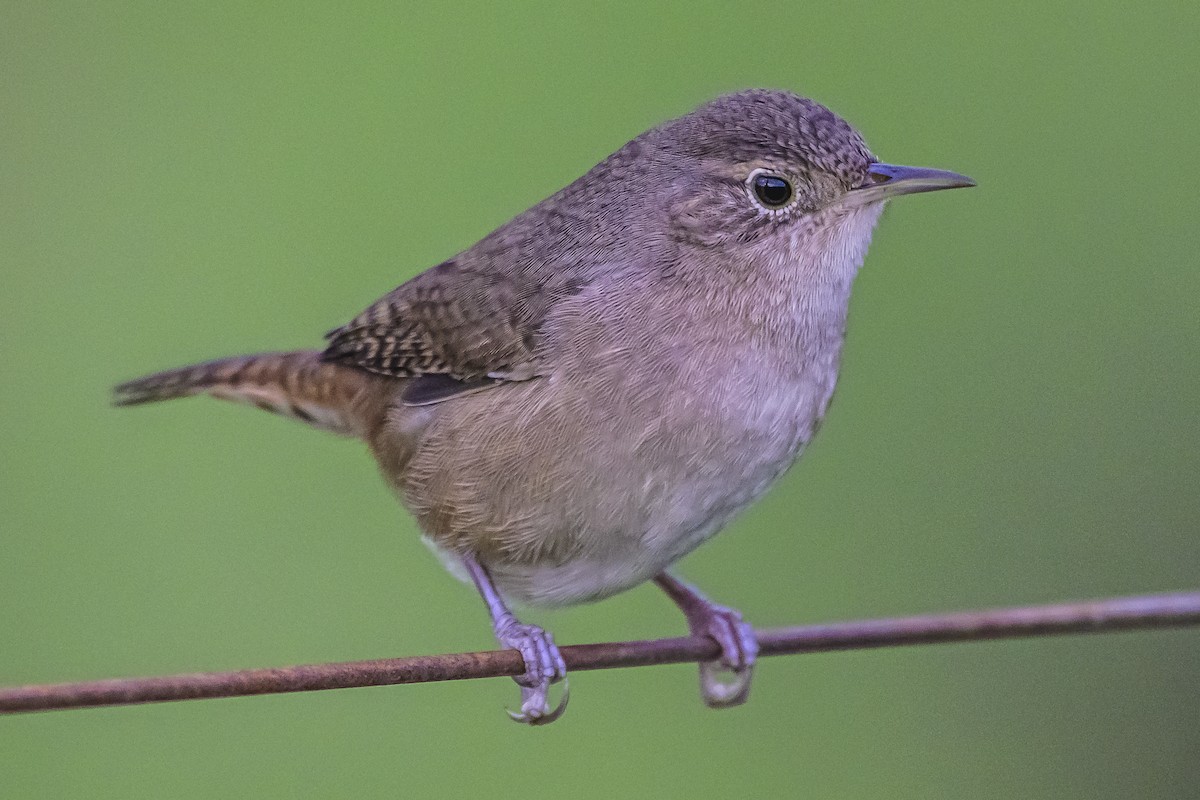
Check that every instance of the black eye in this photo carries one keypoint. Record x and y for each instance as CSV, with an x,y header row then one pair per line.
x,y
772,190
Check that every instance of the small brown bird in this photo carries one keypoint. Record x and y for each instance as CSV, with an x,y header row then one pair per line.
x,y
598,386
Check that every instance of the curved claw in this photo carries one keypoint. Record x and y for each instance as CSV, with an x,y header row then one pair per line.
x,y
718,693
534,708
739,645
544,666
739,649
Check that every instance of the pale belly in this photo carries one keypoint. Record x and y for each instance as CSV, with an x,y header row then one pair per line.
x,y
609,571
682,501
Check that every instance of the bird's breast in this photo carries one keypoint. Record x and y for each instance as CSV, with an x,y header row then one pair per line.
x,y
751,422
662,468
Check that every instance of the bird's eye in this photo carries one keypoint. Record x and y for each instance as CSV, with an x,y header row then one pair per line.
x,y
771,190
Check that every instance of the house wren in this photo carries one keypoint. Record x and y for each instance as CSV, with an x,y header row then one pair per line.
x,y
598,386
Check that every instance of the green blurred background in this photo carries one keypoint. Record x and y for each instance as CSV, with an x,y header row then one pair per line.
x,y
1017,420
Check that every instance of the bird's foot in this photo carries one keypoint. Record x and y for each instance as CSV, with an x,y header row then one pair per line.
x,y
739,646
544,666
739,650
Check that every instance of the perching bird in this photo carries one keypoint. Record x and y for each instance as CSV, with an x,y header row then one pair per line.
x,y
598,386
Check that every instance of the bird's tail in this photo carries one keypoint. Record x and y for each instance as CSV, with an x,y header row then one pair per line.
x,y
298,385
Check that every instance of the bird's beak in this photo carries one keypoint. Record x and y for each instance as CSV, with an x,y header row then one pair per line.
x,y
889,180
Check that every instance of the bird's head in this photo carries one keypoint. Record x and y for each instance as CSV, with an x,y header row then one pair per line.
x,y
779,174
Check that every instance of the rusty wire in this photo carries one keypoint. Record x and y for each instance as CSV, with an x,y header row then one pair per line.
x,y
1096,616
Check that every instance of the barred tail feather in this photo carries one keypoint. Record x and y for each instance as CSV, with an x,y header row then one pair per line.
x,y
298,385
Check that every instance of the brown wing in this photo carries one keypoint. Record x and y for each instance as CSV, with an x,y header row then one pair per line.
x,y
476,319
466,324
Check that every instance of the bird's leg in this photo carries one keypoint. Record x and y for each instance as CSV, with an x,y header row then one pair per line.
x,y
543,663
739,647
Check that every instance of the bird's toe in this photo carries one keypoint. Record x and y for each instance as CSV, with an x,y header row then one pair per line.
x,y
544,666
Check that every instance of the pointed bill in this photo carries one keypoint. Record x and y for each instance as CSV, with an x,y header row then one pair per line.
x,y
891,180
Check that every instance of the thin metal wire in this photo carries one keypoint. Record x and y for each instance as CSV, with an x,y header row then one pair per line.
x,y
1095,616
